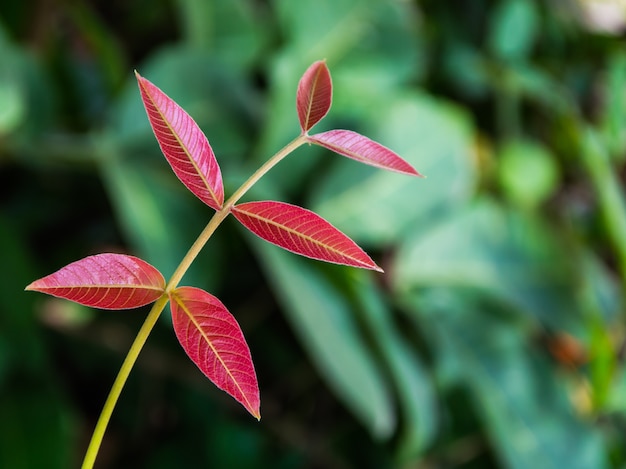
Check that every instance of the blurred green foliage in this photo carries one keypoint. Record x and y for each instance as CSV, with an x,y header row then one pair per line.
x,y
494,340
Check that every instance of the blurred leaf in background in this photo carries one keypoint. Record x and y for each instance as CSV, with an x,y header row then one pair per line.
x,y
494,339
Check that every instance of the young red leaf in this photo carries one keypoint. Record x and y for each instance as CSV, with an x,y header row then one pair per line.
x,y
315,93
301,231
184,145
107,281
360,148
213,340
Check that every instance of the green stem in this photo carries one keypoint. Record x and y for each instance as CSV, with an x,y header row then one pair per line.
x,y
610,196
220,215
120,380
157,308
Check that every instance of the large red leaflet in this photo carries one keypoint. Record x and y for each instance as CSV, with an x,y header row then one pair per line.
x,y
301,231
314,96
213,340
107,281
360,148
184,145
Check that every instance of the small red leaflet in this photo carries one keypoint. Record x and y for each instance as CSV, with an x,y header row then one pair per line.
x,y
213,340
107,281
360,148
184,145
301,231
314,96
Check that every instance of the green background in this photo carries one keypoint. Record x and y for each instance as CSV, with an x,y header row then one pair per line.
x,y
495,339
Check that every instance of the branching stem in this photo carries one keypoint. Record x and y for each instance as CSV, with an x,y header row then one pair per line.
x,y
159,305
220,215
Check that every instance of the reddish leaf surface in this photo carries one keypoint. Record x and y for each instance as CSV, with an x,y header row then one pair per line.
x,y
213,340
360,148
315,92
184,145
301,231
107,281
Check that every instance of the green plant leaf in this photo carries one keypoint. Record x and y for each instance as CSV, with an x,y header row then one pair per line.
x,y
321,318
106,54
352,33
234,32
506,254
617,397
514,25
528,172
614,111
475,79
378,206
521,400
413,384
26,98
12,102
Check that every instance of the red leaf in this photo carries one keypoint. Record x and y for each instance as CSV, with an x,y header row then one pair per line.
x,y
213,340
184,145
315,94
107,281
301,231
360,148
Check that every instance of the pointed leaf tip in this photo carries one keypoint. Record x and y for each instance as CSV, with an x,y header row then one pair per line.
x,y
302,232
213,340
361,148
106,281
314,96
183,144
